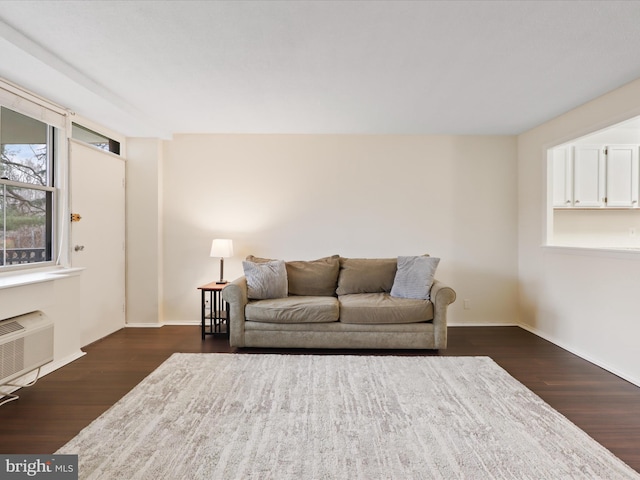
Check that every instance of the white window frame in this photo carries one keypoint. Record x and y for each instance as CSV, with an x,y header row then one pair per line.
x,y
31,105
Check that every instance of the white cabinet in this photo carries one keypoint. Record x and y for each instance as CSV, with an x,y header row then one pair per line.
x,y
622,176
562,177
589,176
596,176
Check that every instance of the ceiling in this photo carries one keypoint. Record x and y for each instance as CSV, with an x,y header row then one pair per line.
x,y
155,68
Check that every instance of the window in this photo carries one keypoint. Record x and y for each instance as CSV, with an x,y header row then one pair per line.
x,y
26,189
85,135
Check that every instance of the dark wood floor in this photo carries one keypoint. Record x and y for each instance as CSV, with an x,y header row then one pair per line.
x,y
54,410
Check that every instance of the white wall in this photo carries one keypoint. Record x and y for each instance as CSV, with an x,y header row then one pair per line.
x,y
585,301
309,196
144,232
596,228
620,135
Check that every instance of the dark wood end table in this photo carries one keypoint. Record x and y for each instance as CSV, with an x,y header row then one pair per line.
x,y
215,311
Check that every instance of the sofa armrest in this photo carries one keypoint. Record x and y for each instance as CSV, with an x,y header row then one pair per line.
x,y
235,294
441,297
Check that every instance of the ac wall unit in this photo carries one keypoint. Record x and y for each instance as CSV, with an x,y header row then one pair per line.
x,y
26,343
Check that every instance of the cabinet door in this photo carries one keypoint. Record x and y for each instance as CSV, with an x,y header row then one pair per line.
x,y
588,180
562,177
622,175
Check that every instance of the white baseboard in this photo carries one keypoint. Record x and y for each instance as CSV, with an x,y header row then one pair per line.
x,y
44,370
55,365
483,324
143,325
158,325
188,322
583,355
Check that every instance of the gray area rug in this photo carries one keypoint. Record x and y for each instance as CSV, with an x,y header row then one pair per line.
x,y
237,416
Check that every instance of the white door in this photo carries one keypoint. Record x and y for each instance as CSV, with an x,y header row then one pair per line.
x,y
98,238
622,175
588,180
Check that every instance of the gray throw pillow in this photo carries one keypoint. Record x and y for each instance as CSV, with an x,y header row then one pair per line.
x,y
414,277
266,280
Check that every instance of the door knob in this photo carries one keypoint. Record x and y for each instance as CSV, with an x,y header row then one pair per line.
x,y
78,248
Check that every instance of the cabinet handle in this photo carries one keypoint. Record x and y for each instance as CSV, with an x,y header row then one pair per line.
x,y
568,202
577,201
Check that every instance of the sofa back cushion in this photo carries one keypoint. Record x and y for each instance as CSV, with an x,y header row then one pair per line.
x,y
366,275
312,277
315,277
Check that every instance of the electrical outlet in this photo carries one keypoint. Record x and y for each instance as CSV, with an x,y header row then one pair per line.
x,y
467,304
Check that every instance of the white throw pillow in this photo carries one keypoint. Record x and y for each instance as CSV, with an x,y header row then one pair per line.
x,y
414,277
266,280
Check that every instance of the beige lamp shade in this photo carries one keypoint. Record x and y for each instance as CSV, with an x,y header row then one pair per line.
x,y
222,247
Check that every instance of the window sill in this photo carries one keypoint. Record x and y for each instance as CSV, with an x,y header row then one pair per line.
x,y
600,209
632,253
11,280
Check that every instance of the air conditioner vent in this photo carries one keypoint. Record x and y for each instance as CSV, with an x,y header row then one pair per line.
x,y
11,358
10,327
26,343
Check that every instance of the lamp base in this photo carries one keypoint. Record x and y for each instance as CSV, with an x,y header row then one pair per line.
x,y
221,281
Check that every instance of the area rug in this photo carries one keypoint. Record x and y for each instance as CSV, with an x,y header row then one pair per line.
x,y
286,417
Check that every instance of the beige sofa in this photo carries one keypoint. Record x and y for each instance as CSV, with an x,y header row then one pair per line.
x,y
337,302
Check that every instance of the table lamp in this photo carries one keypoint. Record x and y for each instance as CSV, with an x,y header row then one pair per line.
x,y
223,248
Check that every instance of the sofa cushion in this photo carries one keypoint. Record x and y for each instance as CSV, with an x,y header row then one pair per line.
x,y
310,277
295,309
366,275
314,277
414,277
254,259
266,280
377,308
